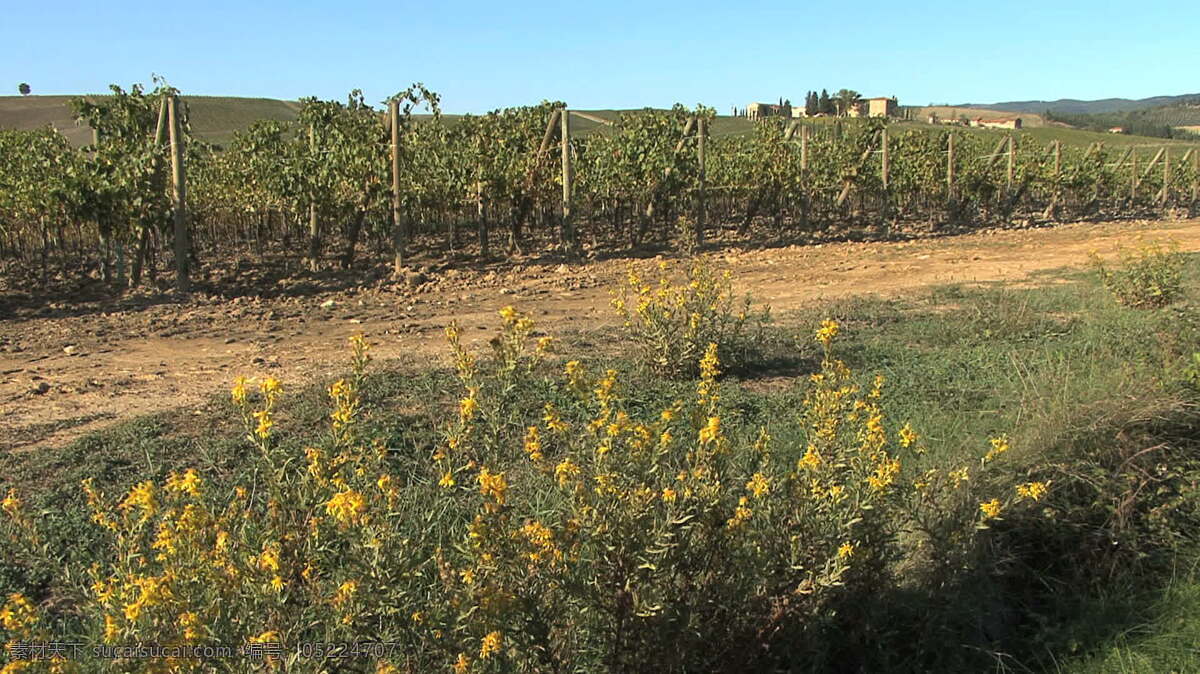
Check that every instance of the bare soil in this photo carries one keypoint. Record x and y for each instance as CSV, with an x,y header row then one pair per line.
x,y
71,367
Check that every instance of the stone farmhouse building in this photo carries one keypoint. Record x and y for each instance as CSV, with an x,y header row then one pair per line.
x,y
761,110
1008,123
867,107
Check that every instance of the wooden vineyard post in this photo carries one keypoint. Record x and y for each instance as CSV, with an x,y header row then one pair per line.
x,y
1012,164
1162,196
804,195
179,196
568,231
701,206
1195,177
160,132
804,148
1052,210
950,168
314,230
397,217
1133,177
886,162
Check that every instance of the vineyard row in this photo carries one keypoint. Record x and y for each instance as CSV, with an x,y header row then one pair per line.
x,y
344,175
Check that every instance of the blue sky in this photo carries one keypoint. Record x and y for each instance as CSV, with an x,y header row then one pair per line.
x,y
613,54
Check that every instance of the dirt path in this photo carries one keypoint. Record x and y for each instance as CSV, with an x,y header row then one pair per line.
x,y
61,377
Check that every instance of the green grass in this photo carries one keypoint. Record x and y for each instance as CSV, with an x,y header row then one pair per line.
x,y
1072,377
1166,640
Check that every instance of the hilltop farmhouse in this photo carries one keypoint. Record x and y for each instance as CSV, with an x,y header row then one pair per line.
x,y
761,110
1006,123
867,107
875,107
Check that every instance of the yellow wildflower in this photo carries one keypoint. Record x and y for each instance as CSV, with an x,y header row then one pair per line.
x,y
846,550
907,436
758,485
268,637
827,331
263,430
709,364
565,471
269,559
553,421
463,664
711,431
669,495
990,508
18,613
189,483
270,387
509,314
741,514
141,497
493,485
1032,490
467,407
111,629
345,592
490,646
346,506
999,446
447,480
238,393
277,584
533,444
189,621
103,590
811,459
11,504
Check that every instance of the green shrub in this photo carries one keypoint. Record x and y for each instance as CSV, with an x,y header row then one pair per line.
x,y
1150,275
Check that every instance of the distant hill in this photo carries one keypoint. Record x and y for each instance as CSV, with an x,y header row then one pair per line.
x,y
216,118
213,118
1070,106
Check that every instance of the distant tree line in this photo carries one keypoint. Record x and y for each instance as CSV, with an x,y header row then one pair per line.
x,y
1135,122
838,104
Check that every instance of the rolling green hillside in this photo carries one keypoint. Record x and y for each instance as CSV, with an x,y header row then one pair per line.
x,y
215,118
1070,106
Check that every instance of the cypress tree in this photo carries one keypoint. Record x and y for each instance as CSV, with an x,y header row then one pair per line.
x,y
825,103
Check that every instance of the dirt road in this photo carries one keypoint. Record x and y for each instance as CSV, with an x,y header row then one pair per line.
x,y
89,365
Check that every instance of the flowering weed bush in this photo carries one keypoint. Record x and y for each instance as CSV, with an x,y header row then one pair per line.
x,y
556,526
670,324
